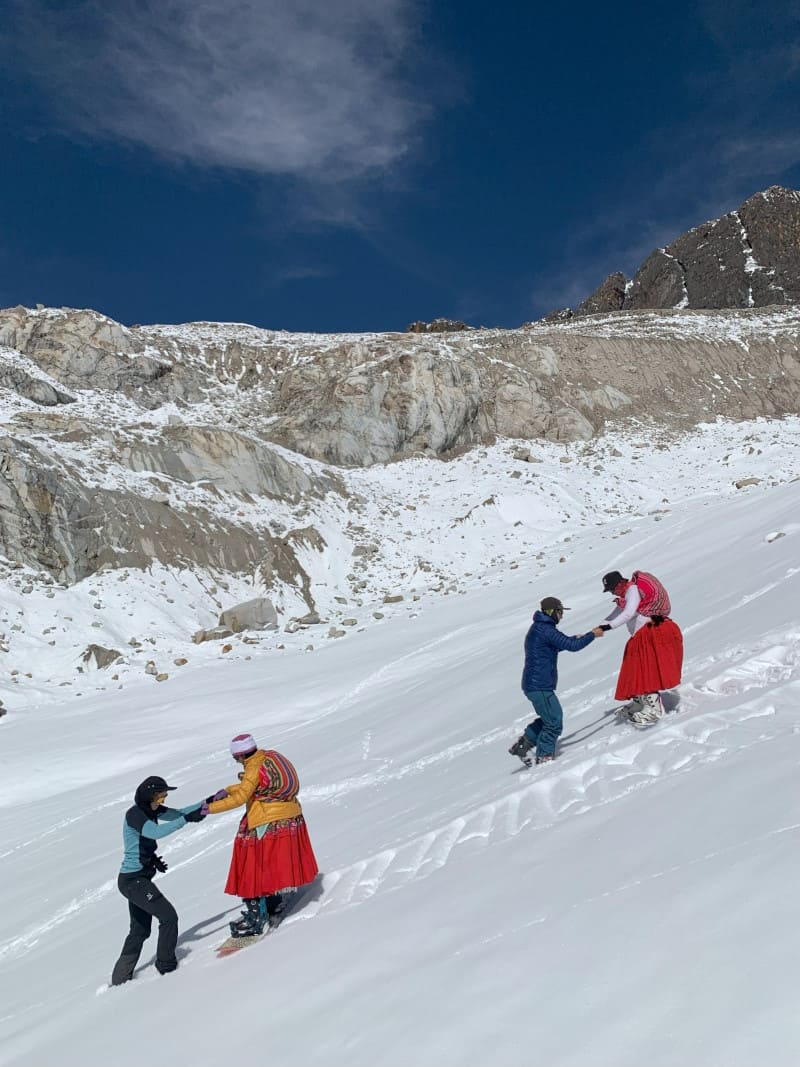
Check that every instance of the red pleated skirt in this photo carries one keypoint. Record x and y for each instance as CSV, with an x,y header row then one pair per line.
x,y
652,661
281,859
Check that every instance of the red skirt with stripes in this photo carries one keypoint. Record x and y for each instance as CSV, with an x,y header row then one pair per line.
x,y
281,859
652,661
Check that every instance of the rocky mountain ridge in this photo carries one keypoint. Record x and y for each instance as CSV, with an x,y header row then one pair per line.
x,y
157,480
208,444
748,258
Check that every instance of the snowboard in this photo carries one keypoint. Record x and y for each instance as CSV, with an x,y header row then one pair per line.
x,y
527,764
232,945
524,766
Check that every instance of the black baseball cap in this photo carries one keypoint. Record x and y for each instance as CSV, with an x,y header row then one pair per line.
x,y
552,603
611,581
153,786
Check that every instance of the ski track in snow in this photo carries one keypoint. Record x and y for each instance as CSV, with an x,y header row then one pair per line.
x,y
582,785
601,772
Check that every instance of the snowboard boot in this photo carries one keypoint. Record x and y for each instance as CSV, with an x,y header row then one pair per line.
x,y
655,704
253,920
544,759
521,748
648,710
276,906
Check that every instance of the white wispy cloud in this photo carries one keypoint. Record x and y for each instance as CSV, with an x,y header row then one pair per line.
x,y
299,88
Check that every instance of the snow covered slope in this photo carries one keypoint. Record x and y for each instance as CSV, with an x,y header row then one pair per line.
x,y
416,530
632,903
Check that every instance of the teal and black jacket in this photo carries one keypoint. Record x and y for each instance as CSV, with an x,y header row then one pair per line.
x,y
141,831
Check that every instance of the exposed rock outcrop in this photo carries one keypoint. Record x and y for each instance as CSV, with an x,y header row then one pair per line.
x,y
216,633
747,258
31,388
83,349
609,296
437,326
559,383
100,657
228,460
51,519
200,445
256,614
356,400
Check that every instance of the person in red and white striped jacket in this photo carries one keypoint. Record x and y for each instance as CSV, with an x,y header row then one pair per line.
x,y
653,656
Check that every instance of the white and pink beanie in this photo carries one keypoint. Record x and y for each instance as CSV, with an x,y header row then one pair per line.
x,y
243,745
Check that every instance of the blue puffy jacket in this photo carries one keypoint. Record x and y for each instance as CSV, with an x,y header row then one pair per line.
x,y
543,642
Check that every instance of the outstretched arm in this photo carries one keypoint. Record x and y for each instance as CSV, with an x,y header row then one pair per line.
x,y
619,616
241,792
569,644
155,830
177,813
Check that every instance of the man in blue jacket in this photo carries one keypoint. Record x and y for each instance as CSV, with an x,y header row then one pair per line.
x,y
145,824
543,642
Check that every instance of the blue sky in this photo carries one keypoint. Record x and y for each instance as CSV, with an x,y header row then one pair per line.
x,y
358,164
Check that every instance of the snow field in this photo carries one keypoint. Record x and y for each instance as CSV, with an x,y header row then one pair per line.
x,y
630,903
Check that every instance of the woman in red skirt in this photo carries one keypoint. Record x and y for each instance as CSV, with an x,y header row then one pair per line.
x,y
653,657
272,853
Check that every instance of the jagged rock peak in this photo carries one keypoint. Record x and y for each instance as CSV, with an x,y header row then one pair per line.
x,y
749,257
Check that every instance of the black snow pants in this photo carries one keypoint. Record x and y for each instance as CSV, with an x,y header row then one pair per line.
x,y
145,902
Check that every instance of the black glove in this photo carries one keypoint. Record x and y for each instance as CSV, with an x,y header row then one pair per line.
x,y
604,626
160,865
194,816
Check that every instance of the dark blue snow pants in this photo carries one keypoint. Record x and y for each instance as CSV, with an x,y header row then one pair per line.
x,y
545,731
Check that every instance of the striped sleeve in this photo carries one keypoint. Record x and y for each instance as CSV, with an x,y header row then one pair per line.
x,y
283,781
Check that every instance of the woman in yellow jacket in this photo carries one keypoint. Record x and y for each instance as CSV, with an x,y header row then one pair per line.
x,y
272,853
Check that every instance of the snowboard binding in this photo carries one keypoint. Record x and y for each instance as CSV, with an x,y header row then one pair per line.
x,y
259,914
253,920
